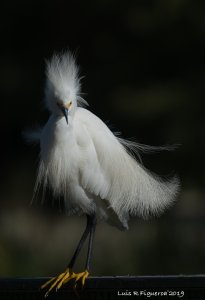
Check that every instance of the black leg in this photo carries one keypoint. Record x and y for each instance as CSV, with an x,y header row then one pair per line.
x,y
90,242
82,241
58,281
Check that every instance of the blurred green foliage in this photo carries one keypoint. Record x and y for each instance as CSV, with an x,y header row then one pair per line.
x,y
144,69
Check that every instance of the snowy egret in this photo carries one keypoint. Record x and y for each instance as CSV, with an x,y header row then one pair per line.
x,y
94,170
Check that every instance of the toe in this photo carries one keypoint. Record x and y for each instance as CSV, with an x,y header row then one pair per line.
x,y
43,286
82,277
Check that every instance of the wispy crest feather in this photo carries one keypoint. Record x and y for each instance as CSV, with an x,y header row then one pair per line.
x,y
63,79
62,72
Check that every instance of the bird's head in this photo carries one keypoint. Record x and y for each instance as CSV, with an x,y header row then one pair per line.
x,y
62,85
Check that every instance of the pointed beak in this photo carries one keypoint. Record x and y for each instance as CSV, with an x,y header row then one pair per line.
x,y
65,113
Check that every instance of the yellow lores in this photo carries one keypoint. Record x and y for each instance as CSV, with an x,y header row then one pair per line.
x,y
63,278
68,104
64,105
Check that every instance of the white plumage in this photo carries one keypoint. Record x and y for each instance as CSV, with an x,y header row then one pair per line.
x,y
88,165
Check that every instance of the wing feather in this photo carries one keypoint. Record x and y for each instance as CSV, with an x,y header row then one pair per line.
x,y
117,177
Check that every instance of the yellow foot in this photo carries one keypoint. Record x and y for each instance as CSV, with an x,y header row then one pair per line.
x,y
81,277
63,278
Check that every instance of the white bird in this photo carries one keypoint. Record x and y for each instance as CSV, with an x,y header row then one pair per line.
x,y
93,169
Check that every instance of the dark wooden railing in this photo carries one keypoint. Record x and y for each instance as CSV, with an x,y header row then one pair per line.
x,y
109,288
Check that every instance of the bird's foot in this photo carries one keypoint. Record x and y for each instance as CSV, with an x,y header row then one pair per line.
x,y
57,282
80,277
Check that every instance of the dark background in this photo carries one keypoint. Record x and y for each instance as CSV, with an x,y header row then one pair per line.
x,y
144,69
